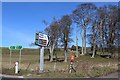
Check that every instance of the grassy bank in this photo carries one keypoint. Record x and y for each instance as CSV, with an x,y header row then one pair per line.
x,y
95,72
85,66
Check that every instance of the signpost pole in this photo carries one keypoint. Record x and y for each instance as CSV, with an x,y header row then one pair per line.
x,y
20,59
41,41
10,59
41,59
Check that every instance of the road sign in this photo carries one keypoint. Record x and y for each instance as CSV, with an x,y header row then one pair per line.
x,y
18,47
41,39
12,47
44,42
15,47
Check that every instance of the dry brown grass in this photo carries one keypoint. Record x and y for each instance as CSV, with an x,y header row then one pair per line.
x,y
84,64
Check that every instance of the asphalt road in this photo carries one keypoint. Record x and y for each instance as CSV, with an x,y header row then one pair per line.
x,y
112,76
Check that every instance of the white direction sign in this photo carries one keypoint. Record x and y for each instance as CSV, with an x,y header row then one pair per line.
x,y
41,39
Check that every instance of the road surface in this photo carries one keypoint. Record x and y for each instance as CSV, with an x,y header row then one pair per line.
x,y
112,75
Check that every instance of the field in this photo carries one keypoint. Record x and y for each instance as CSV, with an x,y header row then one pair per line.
x,y
85,66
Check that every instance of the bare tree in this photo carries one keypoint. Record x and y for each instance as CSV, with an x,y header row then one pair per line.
x,y
104,29
101,12
113,20
108,27
82,17
53,33
82,36
76,44
65,24
94,37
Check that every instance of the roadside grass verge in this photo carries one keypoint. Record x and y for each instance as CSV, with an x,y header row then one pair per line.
x,y
84,65
95,72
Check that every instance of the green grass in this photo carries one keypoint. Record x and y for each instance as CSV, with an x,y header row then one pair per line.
x,y
12,72
95,72
86,66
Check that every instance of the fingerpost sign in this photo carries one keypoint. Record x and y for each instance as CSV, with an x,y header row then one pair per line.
x,y
41,40
12,48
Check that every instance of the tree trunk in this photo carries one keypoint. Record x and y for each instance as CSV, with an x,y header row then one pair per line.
x,y
65,50
51,52
94,51
94,45
94,41
56,50
101,37
84,40
76,46
82,47
101,52
111,37
51,55
65,55
82,36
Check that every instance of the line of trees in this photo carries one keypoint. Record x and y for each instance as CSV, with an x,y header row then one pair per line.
x,y
59,32
102,22
104,29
